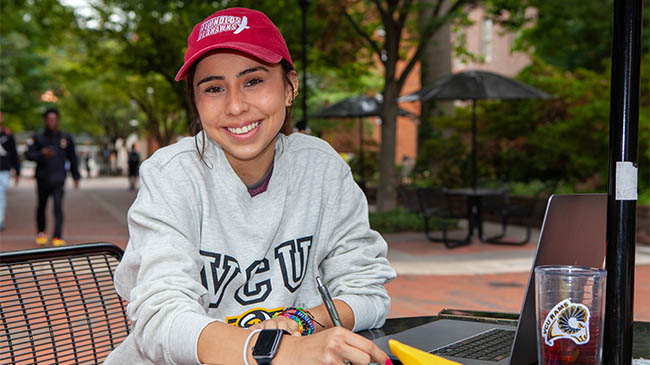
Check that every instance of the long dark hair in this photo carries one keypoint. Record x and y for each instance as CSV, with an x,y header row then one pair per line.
x,y
197,126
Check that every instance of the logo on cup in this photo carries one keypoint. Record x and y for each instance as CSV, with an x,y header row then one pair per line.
x,y
567,320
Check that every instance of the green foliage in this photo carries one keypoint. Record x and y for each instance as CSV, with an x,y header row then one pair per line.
x,y
401,220
371,166
28,31
564,139
326,87
588,26
644,197
397,220
569,34
442,162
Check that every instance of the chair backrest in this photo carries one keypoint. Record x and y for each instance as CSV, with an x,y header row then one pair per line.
x,y
409,198
494,203
441,203
59,305
433,198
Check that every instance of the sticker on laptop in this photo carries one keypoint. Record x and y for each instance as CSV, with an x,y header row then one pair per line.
x,y
567,320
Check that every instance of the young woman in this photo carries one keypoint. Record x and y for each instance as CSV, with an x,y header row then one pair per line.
x,y
231,227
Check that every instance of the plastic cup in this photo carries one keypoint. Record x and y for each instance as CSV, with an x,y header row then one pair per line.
x,y
570,305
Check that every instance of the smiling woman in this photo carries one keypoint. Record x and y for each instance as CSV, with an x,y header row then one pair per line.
x,y
241,109
232,226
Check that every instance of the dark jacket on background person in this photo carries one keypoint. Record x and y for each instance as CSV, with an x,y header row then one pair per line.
x,y
52,171
134,163
8,154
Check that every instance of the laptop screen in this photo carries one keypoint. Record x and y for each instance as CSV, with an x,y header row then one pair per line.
x,y
573,233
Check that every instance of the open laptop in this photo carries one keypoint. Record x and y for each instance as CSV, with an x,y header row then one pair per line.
x,y
573,233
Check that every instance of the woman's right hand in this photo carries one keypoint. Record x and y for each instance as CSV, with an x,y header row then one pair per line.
x,y
332,346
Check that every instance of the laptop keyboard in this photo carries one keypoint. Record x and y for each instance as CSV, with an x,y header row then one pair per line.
x,y
492,345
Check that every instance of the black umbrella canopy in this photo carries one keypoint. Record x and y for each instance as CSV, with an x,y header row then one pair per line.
x,y
475,85
359,106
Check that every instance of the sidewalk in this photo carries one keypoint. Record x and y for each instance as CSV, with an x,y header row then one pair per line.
x,y
430,277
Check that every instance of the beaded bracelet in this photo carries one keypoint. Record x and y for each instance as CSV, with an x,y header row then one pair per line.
x,y
303,317
301,327
309,316
310,325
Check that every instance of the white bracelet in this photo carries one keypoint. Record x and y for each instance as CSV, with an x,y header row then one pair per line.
x,y
248,339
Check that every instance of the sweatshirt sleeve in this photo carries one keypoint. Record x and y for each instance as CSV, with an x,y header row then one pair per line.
x,y
356,268
159,273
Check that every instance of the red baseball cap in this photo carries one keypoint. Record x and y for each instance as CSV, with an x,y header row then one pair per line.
x,y
245,30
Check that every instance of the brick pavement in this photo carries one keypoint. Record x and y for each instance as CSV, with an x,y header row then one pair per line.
x,y
430,278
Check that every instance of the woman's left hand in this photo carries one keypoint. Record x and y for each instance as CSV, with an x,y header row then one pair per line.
x,y
279,322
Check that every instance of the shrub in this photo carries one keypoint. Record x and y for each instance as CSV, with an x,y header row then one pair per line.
x,y
401,220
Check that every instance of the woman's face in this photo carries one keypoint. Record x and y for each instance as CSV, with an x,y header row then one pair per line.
x,y
242,105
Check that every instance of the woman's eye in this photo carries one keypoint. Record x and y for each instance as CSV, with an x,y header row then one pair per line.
x,y
254,82
213,89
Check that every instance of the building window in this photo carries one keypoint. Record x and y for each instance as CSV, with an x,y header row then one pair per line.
x,y
486,40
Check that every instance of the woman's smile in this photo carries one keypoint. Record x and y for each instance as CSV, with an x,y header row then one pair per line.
x,y
245,131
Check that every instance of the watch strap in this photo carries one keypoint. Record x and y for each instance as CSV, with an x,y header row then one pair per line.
x,y
265,359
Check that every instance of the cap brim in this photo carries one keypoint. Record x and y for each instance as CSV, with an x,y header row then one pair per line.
x,y
250,49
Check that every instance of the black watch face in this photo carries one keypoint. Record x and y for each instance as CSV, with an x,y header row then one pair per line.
x,y
265,342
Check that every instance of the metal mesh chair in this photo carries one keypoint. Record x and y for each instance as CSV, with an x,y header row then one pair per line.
x,y
59,305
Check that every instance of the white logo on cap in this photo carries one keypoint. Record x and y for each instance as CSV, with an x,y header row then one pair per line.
x,y
242,26
223,23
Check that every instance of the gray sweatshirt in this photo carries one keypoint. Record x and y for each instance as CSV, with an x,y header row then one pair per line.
x,y
202,249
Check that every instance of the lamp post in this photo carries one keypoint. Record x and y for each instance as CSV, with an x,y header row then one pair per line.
x,y
622,181
304,5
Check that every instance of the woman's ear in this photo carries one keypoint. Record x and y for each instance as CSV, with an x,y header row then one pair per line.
x,y
292,90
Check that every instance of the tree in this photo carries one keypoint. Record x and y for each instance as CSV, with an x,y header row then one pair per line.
x,y
28,31
151,37
392,17
141,42
585,25
435,62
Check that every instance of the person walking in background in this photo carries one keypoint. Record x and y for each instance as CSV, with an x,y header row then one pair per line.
x,y
134,163
87,164
8,160
51,149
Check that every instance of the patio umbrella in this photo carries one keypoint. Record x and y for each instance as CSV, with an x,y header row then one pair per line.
x,y
475,85
359,106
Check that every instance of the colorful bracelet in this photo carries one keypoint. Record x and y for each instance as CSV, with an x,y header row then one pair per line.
x,y
310,316
303,317
301,326
310,325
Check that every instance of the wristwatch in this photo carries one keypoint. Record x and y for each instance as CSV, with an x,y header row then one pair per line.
x,y
267,345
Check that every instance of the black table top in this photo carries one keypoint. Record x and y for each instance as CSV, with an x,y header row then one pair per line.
x,y
641,330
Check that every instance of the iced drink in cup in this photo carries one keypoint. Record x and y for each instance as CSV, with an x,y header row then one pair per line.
x,y
570,303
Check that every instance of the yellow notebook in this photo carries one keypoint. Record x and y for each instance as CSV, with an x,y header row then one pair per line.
x,y
411,356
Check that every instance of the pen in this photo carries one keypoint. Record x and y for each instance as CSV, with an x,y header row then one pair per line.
x,y
329,304
331,309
